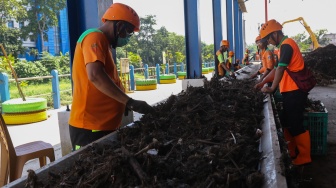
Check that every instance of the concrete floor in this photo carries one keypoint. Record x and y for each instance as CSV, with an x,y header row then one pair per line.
x,y
327,95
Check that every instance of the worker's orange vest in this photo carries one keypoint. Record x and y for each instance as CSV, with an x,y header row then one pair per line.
x,y
296,64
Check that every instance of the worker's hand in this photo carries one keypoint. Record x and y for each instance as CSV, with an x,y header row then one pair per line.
x,y
232,74
266,89
253,76
259,85
139,106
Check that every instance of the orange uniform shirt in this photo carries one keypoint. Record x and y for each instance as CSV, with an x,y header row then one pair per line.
x,y
222,58
246,59
296,64
267,61
91,109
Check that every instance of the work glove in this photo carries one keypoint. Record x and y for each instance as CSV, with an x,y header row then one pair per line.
x,y
139,106
232,75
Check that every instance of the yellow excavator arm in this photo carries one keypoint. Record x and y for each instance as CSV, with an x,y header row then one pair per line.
x,y
306,26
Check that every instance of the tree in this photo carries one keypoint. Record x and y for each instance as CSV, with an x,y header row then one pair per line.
x,y
319,36
4,64
208,53
145,38
252,48
11,9
161,41
303,41
9,39
41,16
135,60
149,44
176,44
179,57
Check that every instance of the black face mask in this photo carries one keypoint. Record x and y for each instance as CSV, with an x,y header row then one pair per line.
x,y
114,42
275,41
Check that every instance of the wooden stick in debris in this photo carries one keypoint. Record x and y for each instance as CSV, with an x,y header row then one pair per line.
x,y
179,142
228,180
235,164
136,166
211,182
207,142
152,145
234,138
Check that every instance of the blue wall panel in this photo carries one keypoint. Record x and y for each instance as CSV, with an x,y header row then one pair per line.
x,y
242,37
237,37
217,24
64,33
51,41
229,23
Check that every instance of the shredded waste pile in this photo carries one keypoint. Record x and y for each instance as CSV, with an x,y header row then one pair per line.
x,y
322,62
314,106
203,137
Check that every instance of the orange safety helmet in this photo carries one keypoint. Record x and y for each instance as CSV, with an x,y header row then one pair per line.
x,y
231,53
225,43
258,38
119,11
269,27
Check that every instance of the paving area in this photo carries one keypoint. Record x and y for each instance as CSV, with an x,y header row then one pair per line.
x,y
321,172
327,95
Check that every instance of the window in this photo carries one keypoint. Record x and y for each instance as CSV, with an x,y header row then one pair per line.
x,y
21,24
11,24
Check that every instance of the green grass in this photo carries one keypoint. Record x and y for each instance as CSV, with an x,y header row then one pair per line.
x,y
43,90
138,76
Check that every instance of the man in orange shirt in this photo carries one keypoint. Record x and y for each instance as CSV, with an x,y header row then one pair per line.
x,y
267,60
246,60
294,99
222,56
99,100
236,65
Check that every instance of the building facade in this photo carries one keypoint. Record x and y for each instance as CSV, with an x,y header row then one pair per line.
x,y
57,43
331,38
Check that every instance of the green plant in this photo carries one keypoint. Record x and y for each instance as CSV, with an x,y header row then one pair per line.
x,y
26,69
4,64
64,63
50,62
139,76
163,67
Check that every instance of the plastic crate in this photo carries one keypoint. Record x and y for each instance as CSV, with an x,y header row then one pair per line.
x,y
317,124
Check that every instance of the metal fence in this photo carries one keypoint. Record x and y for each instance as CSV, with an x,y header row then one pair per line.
x,y
149,73
4,87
